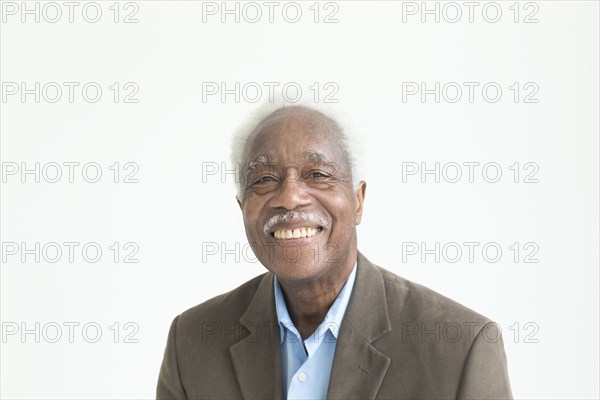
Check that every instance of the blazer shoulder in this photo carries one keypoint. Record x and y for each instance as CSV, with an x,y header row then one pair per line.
x,y
423,303
228,306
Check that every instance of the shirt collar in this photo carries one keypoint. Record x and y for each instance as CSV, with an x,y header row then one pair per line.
x,y
333,318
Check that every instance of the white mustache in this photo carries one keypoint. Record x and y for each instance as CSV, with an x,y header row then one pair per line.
x,y
293,216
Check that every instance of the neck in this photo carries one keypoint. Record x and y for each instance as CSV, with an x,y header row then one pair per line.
x,y
309,301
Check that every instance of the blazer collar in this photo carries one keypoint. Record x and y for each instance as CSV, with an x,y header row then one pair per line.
x,y
358,368
256,358
368,296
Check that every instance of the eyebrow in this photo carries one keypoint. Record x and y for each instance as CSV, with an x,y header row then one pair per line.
x,y
259,161
315,156
264,160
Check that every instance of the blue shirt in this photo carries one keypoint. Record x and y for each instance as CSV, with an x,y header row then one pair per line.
x,y
306,366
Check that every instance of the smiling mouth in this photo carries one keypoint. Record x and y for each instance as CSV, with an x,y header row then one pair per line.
x,y
296,233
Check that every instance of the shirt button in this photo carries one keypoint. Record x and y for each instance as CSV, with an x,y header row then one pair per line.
x,y
302,377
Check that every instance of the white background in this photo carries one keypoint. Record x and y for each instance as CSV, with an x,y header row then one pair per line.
x,y
170,132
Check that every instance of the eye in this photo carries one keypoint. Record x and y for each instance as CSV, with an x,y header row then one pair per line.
x,y
265,179
318,175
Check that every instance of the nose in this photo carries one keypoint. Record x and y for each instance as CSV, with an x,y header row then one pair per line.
x,y
291,193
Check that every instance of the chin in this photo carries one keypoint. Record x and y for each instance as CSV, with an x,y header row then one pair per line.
x,y
297,271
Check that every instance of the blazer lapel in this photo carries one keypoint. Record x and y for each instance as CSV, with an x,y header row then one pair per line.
x,y
256,358
358,367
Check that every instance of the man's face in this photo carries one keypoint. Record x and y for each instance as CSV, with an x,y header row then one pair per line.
x,y
299,184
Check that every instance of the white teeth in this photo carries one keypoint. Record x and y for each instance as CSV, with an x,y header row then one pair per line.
x,y
294,234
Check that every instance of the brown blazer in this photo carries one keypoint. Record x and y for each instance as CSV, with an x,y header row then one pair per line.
x,y
398,340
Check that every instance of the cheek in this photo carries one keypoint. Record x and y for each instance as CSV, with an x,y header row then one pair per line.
x,y
253,222
344,216
250,218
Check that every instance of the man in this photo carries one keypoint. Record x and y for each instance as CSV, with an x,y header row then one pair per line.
x,y
323,322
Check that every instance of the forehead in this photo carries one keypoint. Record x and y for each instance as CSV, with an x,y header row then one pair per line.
x,y
304,134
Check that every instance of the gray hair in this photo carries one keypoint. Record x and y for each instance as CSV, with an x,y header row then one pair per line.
x,y
348,138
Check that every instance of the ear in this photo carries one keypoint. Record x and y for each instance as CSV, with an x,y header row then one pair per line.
x,y
360,199
237,198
